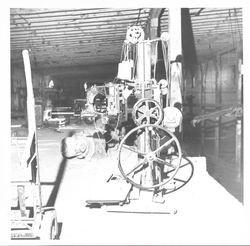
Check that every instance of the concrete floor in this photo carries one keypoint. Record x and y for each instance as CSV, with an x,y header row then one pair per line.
x,y
206,212
224,169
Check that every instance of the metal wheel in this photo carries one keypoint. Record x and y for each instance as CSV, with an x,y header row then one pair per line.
x,y
158,161
147,111
184,175
49,226
135,34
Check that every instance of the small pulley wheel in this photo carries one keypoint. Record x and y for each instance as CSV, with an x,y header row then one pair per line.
x,y
135,34
147,111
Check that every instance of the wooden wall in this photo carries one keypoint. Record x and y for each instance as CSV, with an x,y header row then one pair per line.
x,y
18,88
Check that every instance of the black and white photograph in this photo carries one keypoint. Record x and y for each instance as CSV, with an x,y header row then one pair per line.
x,y
126,124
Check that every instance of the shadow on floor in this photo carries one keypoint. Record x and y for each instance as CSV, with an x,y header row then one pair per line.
x,y
59,178
57,183
59,229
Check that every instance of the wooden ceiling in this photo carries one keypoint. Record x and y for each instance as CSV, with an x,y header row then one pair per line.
x,y
66,40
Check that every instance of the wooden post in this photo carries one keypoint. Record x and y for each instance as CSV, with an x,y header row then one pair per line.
x,y
152,25
217,103
174,26
238,137
203,103
175,43
217,139
21,200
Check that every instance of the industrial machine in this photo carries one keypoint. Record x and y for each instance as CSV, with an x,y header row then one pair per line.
x,y
152,162
30,219
104,100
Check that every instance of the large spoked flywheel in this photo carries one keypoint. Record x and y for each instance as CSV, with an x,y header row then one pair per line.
x,y
153,163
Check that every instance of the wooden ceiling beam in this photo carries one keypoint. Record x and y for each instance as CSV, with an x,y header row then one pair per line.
x,y
46,61
218,30
64,21
153,22
51,52
96,44
69,34
37,11
65,43
155,13
215,23
79,39
208,12
222,33
82,28
76,35
81,60
84,24
206,32
34,13
216,19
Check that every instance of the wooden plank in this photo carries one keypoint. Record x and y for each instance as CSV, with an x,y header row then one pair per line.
x,y
204,69
64,20
50,12
115,191
175,33
203,34
217,130
215,19
175,49
83,30
215,11
152,23
238,135
70,52
99,42
60,34
45,42
155,13
71,55
21,199
17,27
61,48
230,26
77,60
81,27
214,33
209,23
37,11
45,64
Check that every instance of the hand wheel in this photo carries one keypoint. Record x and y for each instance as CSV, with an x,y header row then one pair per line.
x,y
161,156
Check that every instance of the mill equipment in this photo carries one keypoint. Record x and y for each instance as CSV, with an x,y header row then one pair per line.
x,y
150,166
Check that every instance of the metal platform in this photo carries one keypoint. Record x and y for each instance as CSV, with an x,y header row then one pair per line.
x,y
114,191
